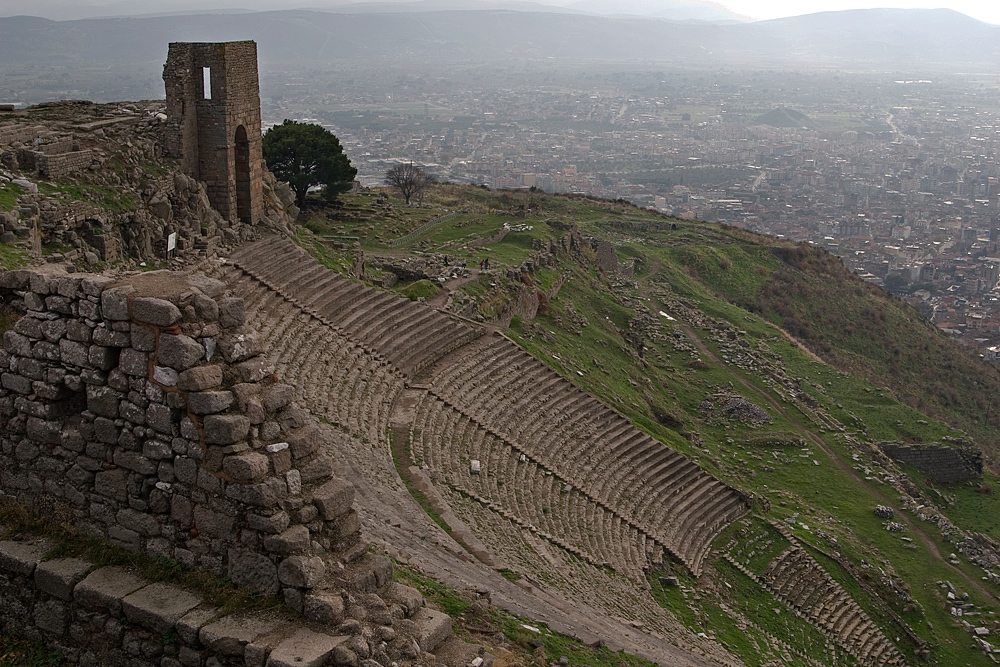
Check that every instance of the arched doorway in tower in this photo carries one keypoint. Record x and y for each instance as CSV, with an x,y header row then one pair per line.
x,y
242,175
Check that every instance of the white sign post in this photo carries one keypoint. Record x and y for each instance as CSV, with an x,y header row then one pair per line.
x,y
171,242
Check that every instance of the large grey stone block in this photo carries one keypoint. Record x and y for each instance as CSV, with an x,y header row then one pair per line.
x,y
111,338
273,524
206,308
433,627
15,280
105,588
21,558
58,577
253,570
74,353
95,285
334,498
292,541
134,461
103,401
52,617
230,634
160,312
225,429
305,648
325,608
159,606
240,346
114,302
278,397
246,467
408,598
209,402
253,370
16,383
133,362
232,312
179,352
17,344
191,623
200,378
301,571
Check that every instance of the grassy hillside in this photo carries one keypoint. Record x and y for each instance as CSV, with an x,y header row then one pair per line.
x,y
771,366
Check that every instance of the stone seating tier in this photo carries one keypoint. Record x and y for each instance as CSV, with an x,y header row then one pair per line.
x,y
502,391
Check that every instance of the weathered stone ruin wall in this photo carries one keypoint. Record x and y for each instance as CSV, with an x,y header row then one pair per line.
x,y
607,259
47,155
60,165
112,616
217,138
142,411
163,204
528,300
160,426
15,133
948,465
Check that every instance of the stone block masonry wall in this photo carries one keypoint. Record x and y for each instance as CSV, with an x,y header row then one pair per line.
x,y
54,167
10,134
948,465
112,616
142,411
161,429
217,138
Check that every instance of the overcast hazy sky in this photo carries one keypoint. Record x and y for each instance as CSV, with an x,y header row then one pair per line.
x,y
984,10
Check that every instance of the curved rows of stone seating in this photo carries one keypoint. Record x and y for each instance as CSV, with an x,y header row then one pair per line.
x,y
333,375
446,442
588,445
409,335
799,580
592,447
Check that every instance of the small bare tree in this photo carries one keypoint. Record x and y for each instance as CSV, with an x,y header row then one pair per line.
x,y
410,180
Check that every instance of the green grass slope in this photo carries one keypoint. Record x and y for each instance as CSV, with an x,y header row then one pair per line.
x,y
714,317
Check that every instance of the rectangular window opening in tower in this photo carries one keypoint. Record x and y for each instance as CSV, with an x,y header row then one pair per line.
x,y
206,76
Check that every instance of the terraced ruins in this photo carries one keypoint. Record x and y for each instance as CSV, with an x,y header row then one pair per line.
x,y
530,462
376,363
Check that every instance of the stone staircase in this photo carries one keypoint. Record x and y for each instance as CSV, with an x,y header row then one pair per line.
x,y
333,375
446,442
408,335
555,459
796,578
662,494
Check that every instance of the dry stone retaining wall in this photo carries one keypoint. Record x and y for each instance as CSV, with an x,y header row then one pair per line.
x,y
163,429
57,166
142,411
948,465
112,616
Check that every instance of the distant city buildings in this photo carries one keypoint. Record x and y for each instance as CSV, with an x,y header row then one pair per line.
x,y
906,195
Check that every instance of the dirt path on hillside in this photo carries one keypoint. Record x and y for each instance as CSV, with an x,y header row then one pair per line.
x,y
449,287
925,539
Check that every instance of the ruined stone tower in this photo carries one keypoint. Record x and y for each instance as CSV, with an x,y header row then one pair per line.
x,y
213,117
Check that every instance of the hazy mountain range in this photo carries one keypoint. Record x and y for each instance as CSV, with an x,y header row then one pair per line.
x,y
65,10
872,39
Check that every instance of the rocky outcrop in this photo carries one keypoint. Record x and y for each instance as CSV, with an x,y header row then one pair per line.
x,y
124,199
